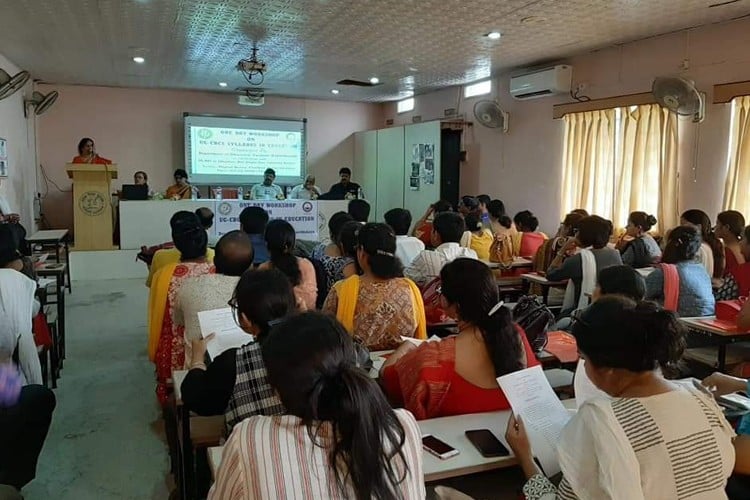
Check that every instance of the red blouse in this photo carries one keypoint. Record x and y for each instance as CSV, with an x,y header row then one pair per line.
x,y
530,243
425,382
731,262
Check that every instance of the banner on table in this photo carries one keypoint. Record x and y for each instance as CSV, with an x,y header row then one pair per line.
x,y
301,214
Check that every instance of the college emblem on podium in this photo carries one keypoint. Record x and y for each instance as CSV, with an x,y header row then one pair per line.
x,y
225,208
92,203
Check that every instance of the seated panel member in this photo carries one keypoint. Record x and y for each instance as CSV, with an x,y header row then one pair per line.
x,y
267,190
306,191
181,189
345,189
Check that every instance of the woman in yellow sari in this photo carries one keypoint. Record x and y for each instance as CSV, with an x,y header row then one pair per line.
x,y
380,306
166,341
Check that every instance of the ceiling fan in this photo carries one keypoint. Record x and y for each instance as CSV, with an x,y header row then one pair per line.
x,y
11,84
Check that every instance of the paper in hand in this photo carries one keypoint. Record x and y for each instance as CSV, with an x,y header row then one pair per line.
x,y
228,334
543,415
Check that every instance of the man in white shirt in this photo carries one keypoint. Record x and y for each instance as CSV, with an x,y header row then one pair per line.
x,y
447,229
407,247
268,190
306,191
234,256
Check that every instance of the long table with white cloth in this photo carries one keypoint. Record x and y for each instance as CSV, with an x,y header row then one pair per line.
x,y
146,223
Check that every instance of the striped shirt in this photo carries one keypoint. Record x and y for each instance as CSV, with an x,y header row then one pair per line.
x,y
274,458
680,440
427,265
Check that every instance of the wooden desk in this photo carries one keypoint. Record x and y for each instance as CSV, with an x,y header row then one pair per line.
x,y
717,336
57,270
546,284
518,262
54,237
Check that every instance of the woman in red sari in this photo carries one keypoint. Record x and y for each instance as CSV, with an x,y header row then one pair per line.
x,y
729,227
167,337
87,153
741,273
457,375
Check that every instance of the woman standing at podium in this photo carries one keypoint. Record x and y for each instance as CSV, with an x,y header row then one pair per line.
x,y
87,153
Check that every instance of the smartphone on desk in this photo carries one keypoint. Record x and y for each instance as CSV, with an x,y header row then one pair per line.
x,y
487,444
439,448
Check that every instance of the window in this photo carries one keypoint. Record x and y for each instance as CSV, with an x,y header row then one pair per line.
x,y
619,160
405,105
737,187
479,88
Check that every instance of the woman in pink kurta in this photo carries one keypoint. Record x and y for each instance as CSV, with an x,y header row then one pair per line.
x,y
280,240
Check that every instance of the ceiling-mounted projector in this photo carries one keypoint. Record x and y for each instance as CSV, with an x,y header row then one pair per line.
x,y
252,97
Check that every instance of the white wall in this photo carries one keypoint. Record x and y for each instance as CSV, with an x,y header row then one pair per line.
x,y
523,167
20,186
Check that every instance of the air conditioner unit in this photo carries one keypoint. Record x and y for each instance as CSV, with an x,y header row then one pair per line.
x,y
542,83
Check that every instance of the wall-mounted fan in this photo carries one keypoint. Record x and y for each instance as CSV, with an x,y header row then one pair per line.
x,y
10,84
491,115
40,102
680,96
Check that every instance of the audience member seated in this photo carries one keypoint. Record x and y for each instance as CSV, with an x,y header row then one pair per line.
x,y
637,247
344,265
476,237
720,384
633,446
167,256
468,204
166,343
335,223
11,256
253,221
12,223
528,240
684,286
181,189
447,230
359,210
423,227
616,280
206,218
17,308
280,239
235,384
340,438
457,375
234,256
407,247
737,282
267,190
582,268
729,227
25,418
711,252
549,249
381,306
484,202
500,223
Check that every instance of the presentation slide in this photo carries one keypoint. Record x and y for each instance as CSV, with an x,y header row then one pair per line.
x,y
234,150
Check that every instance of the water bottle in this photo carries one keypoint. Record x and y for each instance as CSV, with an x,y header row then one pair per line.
x,y
217,192
239,192
360,196
193,193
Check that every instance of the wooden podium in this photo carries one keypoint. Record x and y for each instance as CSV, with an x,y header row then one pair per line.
x,y
92,204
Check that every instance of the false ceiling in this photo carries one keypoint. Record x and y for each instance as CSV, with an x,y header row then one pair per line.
x,y
410,45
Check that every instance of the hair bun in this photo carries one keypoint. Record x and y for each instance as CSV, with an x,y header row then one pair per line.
x,y
651,220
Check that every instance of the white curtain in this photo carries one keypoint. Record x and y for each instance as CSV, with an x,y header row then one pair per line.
x,y
620,160
737,187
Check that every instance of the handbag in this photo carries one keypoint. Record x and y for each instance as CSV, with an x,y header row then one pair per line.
x,y
501,250
434,313
534,317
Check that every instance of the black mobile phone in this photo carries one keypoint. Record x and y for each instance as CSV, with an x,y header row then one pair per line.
x,y
438,448
487,444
